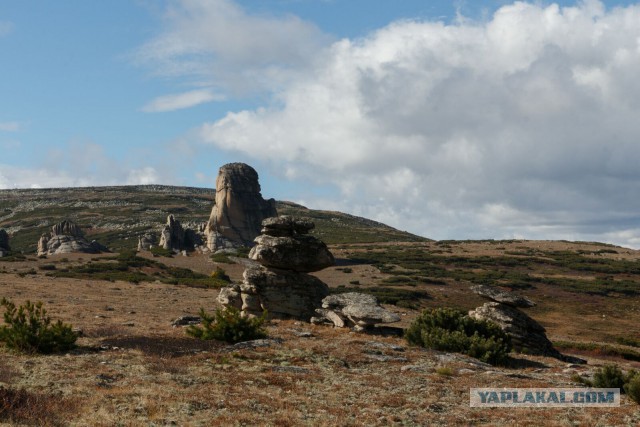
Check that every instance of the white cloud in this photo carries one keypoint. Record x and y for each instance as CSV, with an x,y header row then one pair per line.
x,y
81,164
5,28
238,51
9,126
523,125
180,101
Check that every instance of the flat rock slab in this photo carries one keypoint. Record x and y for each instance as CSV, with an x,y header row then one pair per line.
x,y
494,294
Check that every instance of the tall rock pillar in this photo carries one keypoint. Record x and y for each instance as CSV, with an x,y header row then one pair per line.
x,y
238,209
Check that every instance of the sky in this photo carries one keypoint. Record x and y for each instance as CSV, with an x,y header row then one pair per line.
x,y
449,119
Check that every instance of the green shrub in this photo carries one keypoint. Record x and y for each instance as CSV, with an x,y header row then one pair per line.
x,y
228,325
451,330
29,329
632,387
610,376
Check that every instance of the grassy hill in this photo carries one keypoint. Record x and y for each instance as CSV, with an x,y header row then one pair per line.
x,y
116,216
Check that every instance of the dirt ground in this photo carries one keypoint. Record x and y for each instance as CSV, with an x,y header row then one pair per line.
x,y
132,367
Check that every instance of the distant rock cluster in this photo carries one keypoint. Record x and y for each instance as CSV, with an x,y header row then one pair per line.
x,y
238,209
526,334
235,220
4,243
66,237
279,282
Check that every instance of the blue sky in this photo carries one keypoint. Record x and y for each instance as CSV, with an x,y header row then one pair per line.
x,y
483,119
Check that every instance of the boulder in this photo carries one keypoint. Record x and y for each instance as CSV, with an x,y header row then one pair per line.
x,y
354,309
527,335
239,208
494,294
66,237
4,243
298,253
284,294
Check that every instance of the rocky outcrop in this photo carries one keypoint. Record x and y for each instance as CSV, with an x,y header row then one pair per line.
x,y
4,243
172,235
284,244
282,288
238,210
353,309
509,298
66,237
147,241
527,335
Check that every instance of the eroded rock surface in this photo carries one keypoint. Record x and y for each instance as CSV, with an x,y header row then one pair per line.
x,y
239,208
278,282
526,334
66,237
498,295
290,248
354,309
172,235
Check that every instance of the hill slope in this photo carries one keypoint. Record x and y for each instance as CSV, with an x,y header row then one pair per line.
x,y
116,216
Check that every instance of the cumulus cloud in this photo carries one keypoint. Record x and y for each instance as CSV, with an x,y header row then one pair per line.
x,y
523,125
218,40
179,101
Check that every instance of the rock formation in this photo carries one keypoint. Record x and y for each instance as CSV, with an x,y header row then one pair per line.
x,y
353,309
66,237
279,282
527,335
172,235
238,209
147,241
4,243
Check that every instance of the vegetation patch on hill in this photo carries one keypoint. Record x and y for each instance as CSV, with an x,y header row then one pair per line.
x,y
127,266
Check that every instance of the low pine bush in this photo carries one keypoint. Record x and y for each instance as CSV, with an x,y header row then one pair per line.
x,y
451,330
610,376
28,328
228,325
632,387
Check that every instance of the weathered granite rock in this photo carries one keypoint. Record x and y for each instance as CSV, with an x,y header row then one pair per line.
x,y
66,237
4,243
278,282
497,295
147,241
285,225
284,294
239,208
298,253
526,334
354,309
172,235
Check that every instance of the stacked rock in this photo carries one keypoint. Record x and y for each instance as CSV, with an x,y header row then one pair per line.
x,y
279,282
4,243
527,335
360,311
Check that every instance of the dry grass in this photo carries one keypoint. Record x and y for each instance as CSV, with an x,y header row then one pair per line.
x,y
133,368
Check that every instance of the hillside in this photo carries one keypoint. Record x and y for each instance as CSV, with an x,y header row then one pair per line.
x,y
116,216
